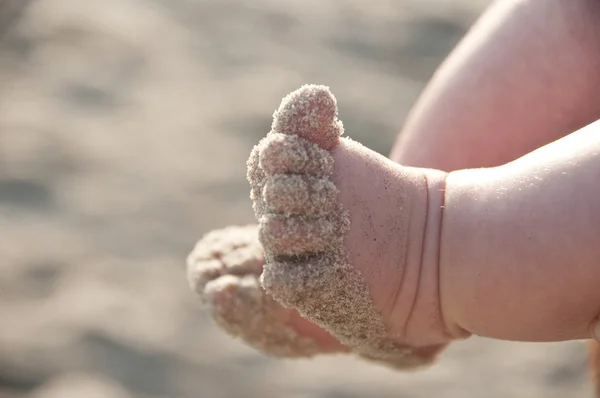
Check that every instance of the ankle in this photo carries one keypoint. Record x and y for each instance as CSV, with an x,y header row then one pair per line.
x,y
427,322
436,185
446,288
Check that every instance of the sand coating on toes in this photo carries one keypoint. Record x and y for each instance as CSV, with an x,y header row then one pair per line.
x,y
223,269
303,226
310,113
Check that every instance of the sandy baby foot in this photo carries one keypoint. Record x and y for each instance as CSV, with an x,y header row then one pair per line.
x,y
350,237
223,269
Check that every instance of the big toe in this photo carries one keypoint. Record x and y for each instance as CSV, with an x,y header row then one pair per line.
x,y
310,112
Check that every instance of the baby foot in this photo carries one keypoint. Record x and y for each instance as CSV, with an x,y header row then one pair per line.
x,y
350,237
223,269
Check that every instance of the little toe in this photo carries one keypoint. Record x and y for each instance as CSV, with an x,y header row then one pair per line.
x,y
311,113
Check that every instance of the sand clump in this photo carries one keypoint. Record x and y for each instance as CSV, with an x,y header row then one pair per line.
x,y
302,229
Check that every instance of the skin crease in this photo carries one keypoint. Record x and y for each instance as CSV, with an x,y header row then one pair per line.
x,y
381,237
487,137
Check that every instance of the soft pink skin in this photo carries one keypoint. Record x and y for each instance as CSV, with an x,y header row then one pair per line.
x,y
519,253
506,90
388,232
524,76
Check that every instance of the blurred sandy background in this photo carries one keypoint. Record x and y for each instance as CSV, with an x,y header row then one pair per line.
x,y
124,130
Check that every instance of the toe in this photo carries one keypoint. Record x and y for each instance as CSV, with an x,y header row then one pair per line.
x,y
311,113
297,235
200,272
245,260
299,195
228,251
280,153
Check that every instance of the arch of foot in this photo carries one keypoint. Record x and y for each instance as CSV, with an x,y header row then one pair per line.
x,y
303,225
